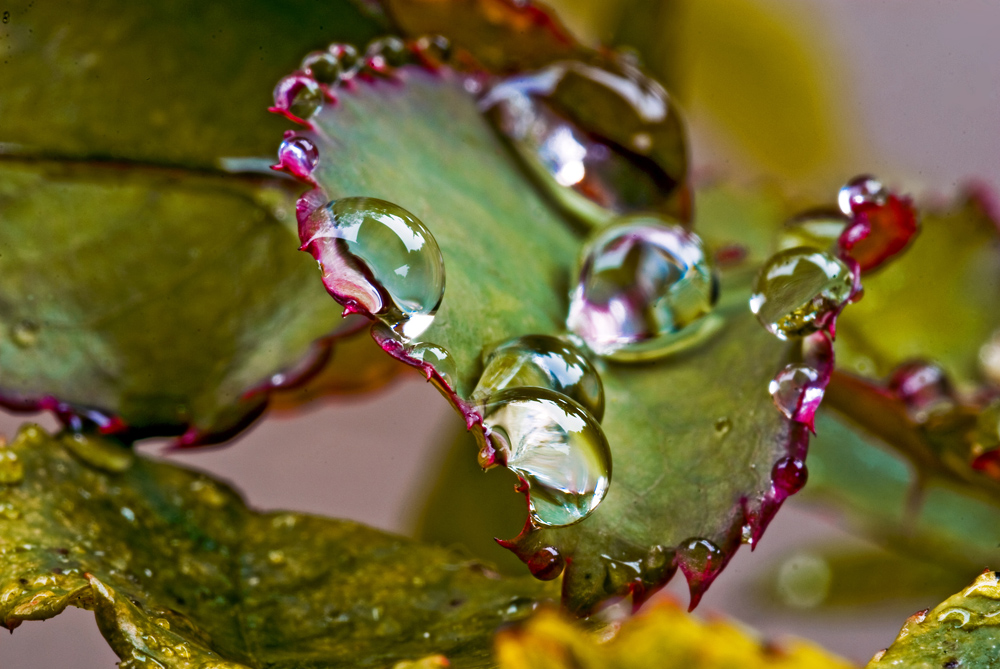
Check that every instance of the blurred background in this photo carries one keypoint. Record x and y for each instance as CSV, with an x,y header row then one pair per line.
x,y
804,93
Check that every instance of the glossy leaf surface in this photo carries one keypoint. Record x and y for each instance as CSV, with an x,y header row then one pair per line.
x,y
693,442
178,571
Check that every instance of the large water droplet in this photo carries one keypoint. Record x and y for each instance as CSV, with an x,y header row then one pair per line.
x,y
797,391
860,190
924,389
815,229
799,290
378,256
644,290
299,95
556,446
604,140
542,361
298,155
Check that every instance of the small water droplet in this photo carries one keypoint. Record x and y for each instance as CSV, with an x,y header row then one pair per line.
x,y
25,333
298,155
11,467
348,58
387,52
644,291
546,564
322,66
818,230
435,49
797,391
789,475
542,361
746,534
799,290
604,140
924,389
6,17
298,95
380,257
860,190
128,514
723,426
437,357
555,446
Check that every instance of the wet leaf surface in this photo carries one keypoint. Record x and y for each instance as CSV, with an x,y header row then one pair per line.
x,y
693,439
662,636
961,631
178,571
140,279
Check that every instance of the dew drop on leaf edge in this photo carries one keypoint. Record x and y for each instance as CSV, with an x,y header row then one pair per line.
x,y
860,190
644,290
555,446
798,290
381,257
542,361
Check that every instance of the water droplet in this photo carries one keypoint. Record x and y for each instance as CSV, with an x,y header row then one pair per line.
x,y
435,49
298,155
723,426
555,446
818,230
789,475
923,388
799,290
989,359
860,190
6,17
348,58
604,140
797,391
322,66
387,52
299,95
546,564
437,357
25,334
644,291
128,514
380,258
542,361
11,467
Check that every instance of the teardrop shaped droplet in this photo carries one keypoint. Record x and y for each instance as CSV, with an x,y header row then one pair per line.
x,y
797,391
819,229
923,387
298,155
644,290
553,444
298,95
860,190
799,290
605,140
379,258
542,361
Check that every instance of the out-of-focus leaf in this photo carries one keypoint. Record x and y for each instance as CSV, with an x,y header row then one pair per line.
x,y
939,301
141,282
961,631
877,492
662,636
178,571
694,440
158,297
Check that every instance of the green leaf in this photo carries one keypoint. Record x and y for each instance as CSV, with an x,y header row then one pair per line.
x,y
961,631
160,298
694,438
178,571
139,278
